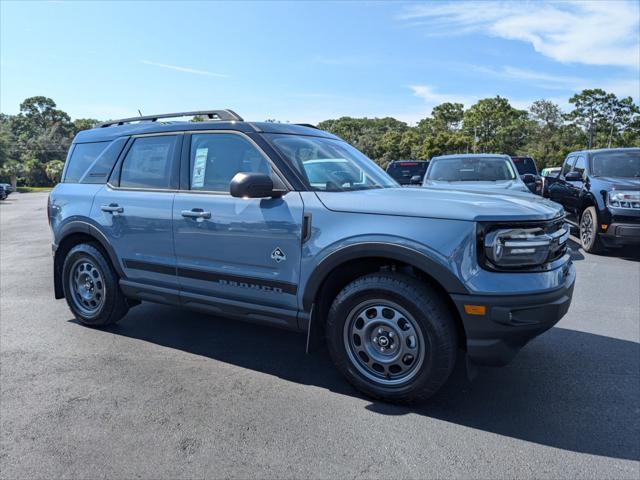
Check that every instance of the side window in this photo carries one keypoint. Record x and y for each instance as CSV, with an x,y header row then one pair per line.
x,y
216,158
580,165
148,162
568,163
98,171
82,157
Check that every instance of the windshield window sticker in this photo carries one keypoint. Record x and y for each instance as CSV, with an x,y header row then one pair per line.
x,y
199,167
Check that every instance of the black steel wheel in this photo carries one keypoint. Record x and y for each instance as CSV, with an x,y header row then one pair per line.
x,y
91,286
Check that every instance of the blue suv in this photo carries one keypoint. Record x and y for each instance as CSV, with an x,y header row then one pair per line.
x,y
291,226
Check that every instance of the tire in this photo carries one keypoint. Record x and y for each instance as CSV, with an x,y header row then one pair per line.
x,y
589,238
399,312
91,287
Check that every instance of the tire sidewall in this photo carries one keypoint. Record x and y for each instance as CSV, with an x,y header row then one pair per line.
x,y
95,256
338,316
594,238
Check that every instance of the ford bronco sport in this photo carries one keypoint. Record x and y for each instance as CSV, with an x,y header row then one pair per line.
x,y
291,226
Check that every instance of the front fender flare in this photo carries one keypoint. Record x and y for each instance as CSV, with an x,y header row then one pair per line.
x,y
391,251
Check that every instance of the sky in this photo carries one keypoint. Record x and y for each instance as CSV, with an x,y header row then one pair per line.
x,y
311,61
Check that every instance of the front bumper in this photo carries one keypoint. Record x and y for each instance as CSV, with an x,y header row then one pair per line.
x,y
511,321
622,234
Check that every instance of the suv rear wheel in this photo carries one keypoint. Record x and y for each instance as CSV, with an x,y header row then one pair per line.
x,y
589,231
392,337
91,287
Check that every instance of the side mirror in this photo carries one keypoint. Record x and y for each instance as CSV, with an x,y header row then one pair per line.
x,y
573,177
253,185
416,180
528,178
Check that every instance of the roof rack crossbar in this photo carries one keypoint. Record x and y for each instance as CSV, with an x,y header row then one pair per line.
x,y
223,115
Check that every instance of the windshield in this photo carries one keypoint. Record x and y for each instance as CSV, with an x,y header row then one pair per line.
x,y
465,169
525,165
616,164
331,165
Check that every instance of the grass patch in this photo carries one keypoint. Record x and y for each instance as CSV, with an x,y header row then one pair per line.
x,y
34,189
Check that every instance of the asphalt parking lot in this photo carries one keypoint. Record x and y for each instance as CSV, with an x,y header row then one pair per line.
x,y
168,393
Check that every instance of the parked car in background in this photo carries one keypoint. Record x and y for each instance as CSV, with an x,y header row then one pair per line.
x,y
600,191
408,172
3,193
291,226
548,175
528,171
8,189
477,172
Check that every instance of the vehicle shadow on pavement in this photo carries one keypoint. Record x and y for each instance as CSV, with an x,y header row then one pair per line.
x,y
568,389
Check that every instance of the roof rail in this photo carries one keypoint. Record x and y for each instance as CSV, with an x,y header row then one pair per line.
x,y
224,115
306,125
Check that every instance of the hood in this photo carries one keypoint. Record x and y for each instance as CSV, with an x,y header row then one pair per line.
x,y
618,183
441,203
474,186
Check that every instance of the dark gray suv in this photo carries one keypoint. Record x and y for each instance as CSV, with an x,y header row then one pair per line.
x,y
291,226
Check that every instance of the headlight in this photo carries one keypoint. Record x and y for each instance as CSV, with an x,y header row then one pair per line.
x,y
513,248
624,199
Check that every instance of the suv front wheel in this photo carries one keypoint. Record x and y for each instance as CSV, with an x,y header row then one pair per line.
x,y
392,337
91,287
589,231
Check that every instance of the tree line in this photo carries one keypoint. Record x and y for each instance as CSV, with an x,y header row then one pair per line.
x,y
34,143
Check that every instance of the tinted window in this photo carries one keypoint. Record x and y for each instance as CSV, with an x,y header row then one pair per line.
x,y
217,157
148,163
98,171
525,165
83,155
580,165
568,163
462,169
616,164
405,170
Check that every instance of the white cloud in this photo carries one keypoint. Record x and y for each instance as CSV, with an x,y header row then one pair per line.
x,y
621,86
432,98
592,33
184,69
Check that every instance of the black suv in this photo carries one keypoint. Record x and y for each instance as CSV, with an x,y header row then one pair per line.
x,y
529,173
408,172
600,190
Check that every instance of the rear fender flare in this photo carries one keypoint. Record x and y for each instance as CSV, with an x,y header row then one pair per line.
x,y
80,226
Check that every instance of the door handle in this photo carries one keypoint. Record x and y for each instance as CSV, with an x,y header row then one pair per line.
x,y
196,213
112,208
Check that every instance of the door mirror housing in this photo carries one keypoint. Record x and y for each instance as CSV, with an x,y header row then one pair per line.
x,y
253,185
528,178
416,180
573,176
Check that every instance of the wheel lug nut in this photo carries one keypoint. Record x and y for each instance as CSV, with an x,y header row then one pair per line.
x,y
390,334
380,331
375,339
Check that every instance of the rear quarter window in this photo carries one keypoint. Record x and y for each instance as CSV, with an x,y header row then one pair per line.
x,y
82,157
